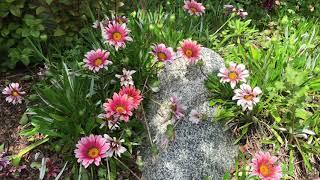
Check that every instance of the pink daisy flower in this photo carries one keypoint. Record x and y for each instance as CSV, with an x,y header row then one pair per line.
x,y
97,59
243,14
110,122
14,93
176,108
162,53
52,168
195,117
116,34
234,74
120,107
190,50
230,8
4,161
246,96
264,165
115,146
121,19
91,149
126,77
96,24
194,8
133,94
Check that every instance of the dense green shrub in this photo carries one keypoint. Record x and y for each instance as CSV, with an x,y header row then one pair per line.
x,y
40,20
284,62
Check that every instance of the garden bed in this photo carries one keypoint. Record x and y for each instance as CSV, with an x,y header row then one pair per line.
x,y
98,90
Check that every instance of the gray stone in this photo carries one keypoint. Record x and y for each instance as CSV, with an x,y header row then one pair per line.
x,y
198,150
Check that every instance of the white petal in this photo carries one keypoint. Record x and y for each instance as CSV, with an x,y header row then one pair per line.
x,y
257,91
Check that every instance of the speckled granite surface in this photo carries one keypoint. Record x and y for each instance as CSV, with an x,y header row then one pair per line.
x,y
199,150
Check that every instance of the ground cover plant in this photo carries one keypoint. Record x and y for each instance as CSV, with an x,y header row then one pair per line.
x,y
85,113
273,77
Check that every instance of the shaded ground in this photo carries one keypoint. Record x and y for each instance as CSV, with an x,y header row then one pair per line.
x,y
10,117
10,114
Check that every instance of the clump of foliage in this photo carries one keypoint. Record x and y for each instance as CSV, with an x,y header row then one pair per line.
x,y
283,61
41,20
70,99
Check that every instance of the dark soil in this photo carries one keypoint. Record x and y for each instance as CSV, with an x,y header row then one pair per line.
x,y
11,127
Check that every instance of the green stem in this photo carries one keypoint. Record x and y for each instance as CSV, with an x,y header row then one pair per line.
x,y
37,50
108,168
222,25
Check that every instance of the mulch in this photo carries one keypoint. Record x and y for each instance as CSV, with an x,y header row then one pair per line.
x,y
10,116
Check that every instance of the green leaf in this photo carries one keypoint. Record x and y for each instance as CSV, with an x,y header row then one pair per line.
x,y
14,10
275,114
25,60
170,132
1,148
291,164
277,136
40,10
35,33
35,165
5,32
24,119
155,86
227,176
303,114
16,158
154,150
49,2
59,32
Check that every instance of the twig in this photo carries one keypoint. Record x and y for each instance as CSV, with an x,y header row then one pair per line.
x,y
128,168
146,123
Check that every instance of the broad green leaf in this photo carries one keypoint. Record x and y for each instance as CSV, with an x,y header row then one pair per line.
x,y
16,158
35,33
14,10
24,119
303,114
25,60
40,10
48,1
59,32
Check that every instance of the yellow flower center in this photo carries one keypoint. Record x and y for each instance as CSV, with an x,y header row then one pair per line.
x,y
194,10
232,76
248,97
161,55
15,93
116,36
188,52
264,170
120,109
93,152
98,62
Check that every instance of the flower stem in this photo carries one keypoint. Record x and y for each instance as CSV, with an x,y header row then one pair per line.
x,y
108,168
147,125
222,25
